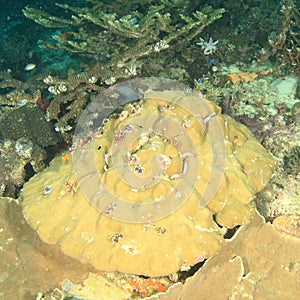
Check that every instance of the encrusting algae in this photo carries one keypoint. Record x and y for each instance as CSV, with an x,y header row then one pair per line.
x,y
153,191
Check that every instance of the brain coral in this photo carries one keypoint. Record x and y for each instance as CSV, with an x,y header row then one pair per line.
x,y
153,191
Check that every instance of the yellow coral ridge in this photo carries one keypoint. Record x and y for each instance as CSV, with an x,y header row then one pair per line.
x,y
157,164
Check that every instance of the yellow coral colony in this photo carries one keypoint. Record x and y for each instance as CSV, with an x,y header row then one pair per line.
x,y
63,207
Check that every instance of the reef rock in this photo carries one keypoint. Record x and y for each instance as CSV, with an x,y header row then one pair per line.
x,y
15,156
28,122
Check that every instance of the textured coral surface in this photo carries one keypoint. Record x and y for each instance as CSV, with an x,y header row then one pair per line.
x,y
59,202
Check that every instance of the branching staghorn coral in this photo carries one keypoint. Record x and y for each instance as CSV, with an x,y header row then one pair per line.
x,y
101,29
68,96
125,42
286,44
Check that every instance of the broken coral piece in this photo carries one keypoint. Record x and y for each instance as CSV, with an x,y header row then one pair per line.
x,y
258,263
114,285
247,77
207,166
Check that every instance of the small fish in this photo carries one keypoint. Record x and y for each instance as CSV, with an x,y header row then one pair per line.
x,y
29,67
